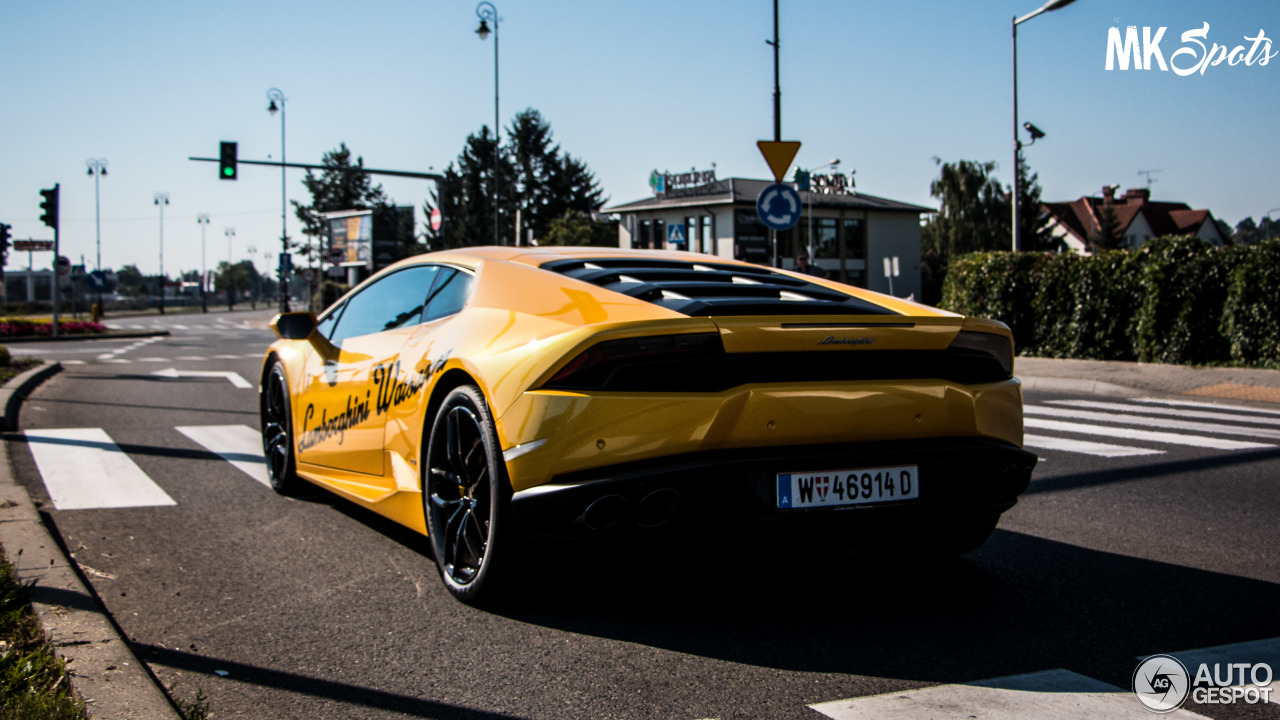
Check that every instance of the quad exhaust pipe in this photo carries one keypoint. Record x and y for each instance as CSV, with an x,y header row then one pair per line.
x,y
609,511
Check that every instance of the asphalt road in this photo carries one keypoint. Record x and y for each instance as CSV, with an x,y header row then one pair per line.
x,y
311,608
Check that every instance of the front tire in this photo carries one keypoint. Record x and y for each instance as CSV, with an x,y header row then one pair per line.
x,y
276,416
466,494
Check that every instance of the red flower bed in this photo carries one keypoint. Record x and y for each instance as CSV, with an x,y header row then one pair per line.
x,y
25,328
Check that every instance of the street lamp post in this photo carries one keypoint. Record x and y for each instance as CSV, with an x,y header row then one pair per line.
x,y
203,220
1017,144
161,199
231,235
253,279
275,95
487,12
97,168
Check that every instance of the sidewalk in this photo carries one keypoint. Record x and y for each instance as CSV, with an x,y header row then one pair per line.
x,y
1132,378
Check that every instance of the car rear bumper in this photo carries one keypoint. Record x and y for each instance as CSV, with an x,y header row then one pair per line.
x,y
736,490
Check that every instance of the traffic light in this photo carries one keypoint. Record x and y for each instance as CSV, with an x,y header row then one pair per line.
x,y
4,243
227,161
50,207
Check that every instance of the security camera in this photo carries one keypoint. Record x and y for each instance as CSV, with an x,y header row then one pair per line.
x,y
1035,132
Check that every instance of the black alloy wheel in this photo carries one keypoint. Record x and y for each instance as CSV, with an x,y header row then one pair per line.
x,y
277,432
466,493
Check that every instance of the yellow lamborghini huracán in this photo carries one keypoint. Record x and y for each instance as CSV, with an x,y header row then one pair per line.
x,y
486,395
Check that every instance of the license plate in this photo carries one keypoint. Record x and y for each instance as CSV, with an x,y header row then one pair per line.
x,y
837,488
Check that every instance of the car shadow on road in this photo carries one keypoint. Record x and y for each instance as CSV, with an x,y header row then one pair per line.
x,y
1019,604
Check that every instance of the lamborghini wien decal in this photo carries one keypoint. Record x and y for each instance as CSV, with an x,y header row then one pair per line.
x,y
392,392
357,411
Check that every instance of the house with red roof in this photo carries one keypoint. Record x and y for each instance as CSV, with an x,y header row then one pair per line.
x,y
1138,219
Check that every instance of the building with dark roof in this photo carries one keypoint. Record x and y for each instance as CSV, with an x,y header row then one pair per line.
x,y
1138,219
850,233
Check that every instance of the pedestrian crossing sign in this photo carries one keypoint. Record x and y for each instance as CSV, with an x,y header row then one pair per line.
x,y
675,234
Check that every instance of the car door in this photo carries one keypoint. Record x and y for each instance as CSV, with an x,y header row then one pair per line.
x,y
340,423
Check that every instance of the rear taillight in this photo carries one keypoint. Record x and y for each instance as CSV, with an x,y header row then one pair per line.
x,y
996,346
633,363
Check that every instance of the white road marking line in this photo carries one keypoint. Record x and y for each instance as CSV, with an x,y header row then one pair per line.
x,y
191,357
1034,696
1194,403
234,378
118,361
239,445
1202,414
72,362
1155,422
153,359
179,327
1253,653
226,357
1144,435
1085,447
83,468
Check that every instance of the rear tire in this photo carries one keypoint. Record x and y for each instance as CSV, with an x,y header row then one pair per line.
x,y
466,495
276,418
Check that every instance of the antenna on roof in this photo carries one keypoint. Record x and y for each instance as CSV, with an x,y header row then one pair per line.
x,y
1148,174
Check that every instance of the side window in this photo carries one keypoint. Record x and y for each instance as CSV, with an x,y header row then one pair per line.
x,y
325,326
449,294
394,301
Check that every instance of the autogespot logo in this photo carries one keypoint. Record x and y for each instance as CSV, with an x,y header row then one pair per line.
x,y
1161,683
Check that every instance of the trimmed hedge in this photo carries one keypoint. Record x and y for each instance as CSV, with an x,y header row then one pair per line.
x,y
1173,300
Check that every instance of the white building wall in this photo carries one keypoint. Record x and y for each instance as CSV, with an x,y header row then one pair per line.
x,y
890,234
1139,232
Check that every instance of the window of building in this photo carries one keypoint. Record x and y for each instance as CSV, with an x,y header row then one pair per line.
x,y
855,251
825,244
646,235
706,240
690,234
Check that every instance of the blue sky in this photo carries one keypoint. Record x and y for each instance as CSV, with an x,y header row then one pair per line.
x,y
628,86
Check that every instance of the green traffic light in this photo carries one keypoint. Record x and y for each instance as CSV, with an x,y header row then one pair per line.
x,y
228,171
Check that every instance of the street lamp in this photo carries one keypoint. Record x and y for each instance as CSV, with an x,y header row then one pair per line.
x,y
487,12
275,95
97,168
161,199
203,220
253,279
230,233
1035,134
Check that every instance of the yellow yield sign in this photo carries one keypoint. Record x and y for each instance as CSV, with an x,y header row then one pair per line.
x,y
779,154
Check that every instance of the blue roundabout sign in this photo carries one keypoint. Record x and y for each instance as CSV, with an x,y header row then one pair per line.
x,y
779,206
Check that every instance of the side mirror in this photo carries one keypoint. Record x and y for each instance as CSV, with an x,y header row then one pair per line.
x,y
294,325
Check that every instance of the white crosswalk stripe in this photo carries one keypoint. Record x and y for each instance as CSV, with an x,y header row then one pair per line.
x,y
1144,425
1144,435
239,445
1034,696
1198,404
1200,414
84,468
1085,447
1150,421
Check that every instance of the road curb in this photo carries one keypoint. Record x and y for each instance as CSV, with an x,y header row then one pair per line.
x,y
104,671
130,335
1096,387
14,391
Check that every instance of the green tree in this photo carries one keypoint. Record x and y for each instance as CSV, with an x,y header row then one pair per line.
x,y
1247,232
1032,219
129,281
973,215
1107,235
535,176
234,279
340,186
576,228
